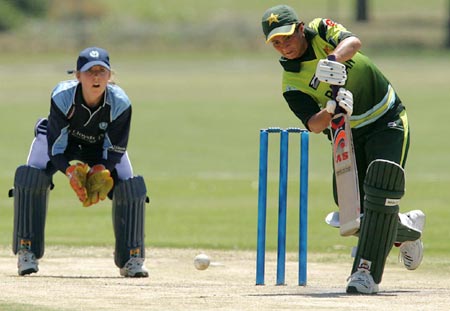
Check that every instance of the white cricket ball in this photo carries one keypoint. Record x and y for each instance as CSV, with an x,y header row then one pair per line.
x,y
201,262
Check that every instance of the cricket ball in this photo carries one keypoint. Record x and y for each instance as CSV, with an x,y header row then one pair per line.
x,y
201,262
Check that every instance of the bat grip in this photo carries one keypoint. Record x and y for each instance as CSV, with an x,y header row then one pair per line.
x,y
335,88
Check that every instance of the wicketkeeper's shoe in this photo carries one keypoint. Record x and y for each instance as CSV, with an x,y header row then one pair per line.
x,y
411,252
27,262
134,268
361,282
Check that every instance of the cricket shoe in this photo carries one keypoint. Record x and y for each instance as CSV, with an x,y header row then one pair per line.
x,y
410,226
411,252
27,262
134,268
361,282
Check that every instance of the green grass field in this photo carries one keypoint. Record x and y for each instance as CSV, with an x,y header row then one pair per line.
x,y
195,140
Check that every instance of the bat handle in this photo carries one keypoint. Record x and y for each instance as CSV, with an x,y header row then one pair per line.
x,y
335,88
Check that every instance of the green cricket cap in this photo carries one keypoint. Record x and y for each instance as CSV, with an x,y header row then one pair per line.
x,y
279,20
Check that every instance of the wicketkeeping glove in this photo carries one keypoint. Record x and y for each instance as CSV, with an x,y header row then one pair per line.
x,y
98,184
77,175
331,72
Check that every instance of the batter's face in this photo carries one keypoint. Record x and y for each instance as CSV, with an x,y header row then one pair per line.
x,y
94,82
293,46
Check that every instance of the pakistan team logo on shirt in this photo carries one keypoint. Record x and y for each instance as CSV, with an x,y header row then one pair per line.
x,y
103,125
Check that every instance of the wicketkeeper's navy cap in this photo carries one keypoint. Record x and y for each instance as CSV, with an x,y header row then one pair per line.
x,y
93,56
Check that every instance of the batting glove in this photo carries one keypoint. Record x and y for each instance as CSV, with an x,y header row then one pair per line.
x,y
77,175
99,183
345,99
331,72
331,107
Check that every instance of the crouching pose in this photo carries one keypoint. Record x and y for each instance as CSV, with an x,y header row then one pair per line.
x,y
85,137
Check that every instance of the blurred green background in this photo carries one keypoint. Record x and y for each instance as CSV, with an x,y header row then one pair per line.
x,y
203,82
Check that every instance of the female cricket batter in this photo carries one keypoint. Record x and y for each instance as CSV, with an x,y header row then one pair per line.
x,y
89,122
379,127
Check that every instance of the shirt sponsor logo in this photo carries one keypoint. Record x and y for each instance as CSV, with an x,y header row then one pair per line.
x,y
87,138
118,149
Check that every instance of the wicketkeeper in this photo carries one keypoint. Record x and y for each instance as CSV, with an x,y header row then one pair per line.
x,y
85,137
379,126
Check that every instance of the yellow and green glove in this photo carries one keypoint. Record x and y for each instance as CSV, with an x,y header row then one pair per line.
x,y
98,184
77,175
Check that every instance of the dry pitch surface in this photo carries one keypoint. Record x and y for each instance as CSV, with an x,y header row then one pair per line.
x,y
86,279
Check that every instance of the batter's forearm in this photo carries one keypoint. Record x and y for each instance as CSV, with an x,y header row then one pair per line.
x,y
346,49
320,121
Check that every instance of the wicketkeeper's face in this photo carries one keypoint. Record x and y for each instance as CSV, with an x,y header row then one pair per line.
x,y
94,81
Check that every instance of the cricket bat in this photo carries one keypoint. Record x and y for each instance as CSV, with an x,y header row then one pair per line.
x,y
345,170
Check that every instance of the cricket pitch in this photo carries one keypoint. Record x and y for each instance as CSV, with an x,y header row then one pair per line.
x,y
87,279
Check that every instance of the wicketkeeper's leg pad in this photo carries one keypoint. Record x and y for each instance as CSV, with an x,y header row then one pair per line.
x,y
129,198
384,186
31,192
